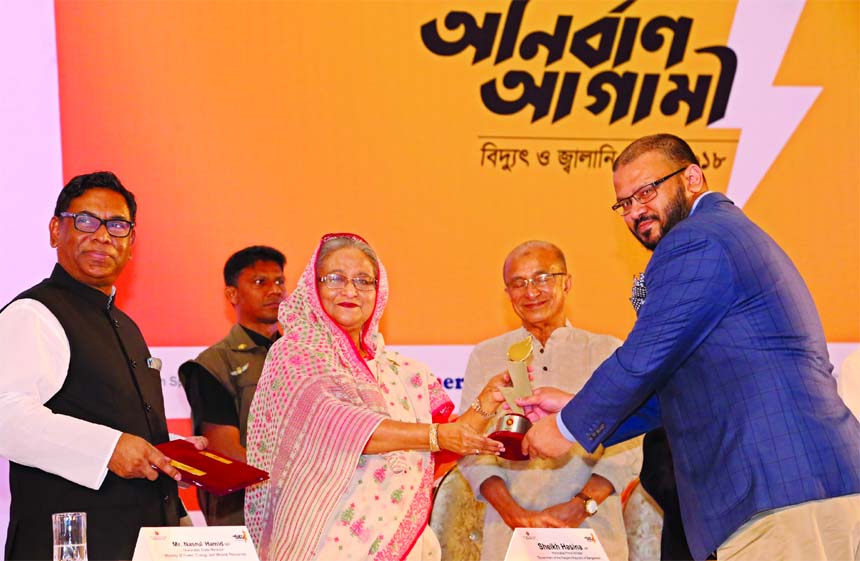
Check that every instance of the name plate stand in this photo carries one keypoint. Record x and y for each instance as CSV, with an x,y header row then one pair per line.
x,y
187,543
555,544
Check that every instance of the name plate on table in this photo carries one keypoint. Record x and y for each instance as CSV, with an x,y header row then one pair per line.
x,y
187,543
555,544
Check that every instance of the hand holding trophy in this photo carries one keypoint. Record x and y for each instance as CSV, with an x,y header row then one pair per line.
x,y
511,427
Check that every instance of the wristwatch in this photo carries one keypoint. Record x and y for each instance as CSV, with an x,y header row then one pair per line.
x,y
590,504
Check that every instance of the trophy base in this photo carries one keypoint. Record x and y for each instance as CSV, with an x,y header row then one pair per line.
x,y
510,430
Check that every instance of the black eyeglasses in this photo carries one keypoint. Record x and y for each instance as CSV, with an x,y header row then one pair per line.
x,y
643,194
88,223
541,281
336,281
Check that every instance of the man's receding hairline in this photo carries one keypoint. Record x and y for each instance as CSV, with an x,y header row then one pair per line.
x,y
671,147
528,247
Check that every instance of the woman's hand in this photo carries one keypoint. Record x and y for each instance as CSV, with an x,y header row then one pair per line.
x,y
459,437
490,397
491,390
487,401
499,380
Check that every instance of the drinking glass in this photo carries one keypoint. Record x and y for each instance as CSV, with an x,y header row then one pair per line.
x,y
70,536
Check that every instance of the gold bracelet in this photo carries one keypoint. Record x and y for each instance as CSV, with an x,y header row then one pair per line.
x,y
434,437
476,406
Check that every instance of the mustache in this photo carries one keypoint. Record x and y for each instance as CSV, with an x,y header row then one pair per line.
x,y
642,219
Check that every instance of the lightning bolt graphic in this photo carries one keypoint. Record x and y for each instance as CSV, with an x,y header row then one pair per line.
x,y
766,114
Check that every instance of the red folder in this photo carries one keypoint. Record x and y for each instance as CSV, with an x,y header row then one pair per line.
x,y
209,470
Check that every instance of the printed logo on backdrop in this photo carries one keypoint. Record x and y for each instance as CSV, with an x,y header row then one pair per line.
x,y
624,67
601,56
639,63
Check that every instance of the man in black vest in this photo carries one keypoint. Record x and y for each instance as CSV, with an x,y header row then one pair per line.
x,y
80,396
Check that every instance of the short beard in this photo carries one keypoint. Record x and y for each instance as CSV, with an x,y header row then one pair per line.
x,y
676,211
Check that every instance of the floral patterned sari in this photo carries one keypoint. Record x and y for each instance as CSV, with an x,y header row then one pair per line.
x,y
317,404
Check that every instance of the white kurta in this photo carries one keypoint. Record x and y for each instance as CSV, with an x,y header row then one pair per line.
x,y
35,355
566,362
849,382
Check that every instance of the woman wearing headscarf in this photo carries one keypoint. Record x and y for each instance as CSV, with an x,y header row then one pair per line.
x,y
345,427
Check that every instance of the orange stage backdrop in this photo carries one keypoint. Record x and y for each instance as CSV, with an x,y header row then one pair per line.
x,y
274,122
445,132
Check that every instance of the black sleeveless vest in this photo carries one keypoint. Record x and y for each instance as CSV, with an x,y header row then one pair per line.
x,y
108,383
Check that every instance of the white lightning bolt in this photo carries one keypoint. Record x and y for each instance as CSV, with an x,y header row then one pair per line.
x,y
767,115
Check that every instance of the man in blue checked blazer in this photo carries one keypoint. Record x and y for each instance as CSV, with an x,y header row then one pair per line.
x,y
729,356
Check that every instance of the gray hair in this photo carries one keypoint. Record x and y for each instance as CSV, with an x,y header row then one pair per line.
x,y
339,242
534,244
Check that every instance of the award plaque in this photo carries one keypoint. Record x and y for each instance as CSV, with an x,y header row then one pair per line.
x,y
511,427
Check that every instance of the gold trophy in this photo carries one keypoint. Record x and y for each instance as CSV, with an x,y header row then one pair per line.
x,y
512,427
